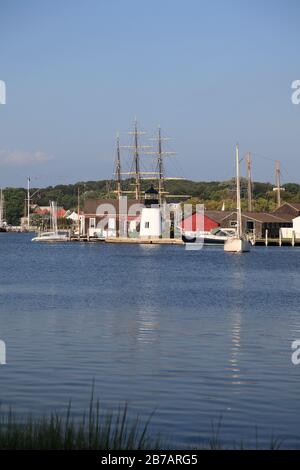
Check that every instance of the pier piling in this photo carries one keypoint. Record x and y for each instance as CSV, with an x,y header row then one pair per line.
x,y
266,238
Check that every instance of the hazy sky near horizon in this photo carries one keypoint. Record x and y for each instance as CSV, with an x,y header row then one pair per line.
x,y
210,72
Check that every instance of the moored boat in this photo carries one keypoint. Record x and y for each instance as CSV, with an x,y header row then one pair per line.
x,y
214,237
54,235
60,236
238,243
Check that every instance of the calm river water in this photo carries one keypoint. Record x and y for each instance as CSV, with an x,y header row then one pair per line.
x,y
197,336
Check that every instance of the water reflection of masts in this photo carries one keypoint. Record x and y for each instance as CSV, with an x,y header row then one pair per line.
x,y
235,348
239,281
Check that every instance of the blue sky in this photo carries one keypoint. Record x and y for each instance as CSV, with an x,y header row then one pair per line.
x,y
209,72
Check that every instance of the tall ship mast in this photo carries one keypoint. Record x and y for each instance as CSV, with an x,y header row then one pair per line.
x,y
136,161
135,171
118,169
156,177
160,167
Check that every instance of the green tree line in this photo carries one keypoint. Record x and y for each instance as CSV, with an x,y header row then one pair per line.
x,y
213,194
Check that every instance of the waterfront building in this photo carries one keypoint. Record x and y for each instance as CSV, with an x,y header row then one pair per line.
x,y
254,223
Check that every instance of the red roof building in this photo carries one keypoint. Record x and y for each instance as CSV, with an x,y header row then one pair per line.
x,y
194,223
44,210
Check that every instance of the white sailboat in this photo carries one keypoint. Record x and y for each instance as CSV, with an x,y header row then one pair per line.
x,y
237,243
54,235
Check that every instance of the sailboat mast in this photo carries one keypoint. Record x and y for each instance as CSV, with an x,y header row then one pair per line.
x,y
54,216
137,164
238,194
51,217
78,211
249,176
28,203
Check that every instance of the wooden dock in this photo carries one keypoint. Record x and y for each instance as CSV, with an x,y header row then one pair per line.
x,y
146,241
138,241
85,239
275,242
280,241
176,241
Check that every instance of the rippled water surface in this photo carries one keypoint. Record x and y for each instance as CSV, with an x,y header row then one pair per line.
x,y
198,336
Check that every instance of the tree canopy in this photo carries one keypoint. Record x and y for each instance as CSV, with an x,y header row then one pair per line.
x,y
212,193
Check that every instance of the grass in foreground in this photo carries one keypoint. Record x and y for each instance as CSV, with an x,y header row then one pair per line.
x,y
94,430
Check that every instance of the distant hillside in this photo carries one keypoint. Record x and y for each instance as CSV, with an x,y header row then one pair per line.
x,y
212,194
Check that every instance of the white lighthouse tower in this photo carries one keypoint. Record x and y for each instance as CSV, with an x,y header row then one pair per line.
x,y
151,217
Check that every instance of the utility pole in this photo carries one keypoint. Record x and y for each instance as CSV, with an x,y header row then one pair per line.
x,y
249,177
28,199
278,187
278,183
